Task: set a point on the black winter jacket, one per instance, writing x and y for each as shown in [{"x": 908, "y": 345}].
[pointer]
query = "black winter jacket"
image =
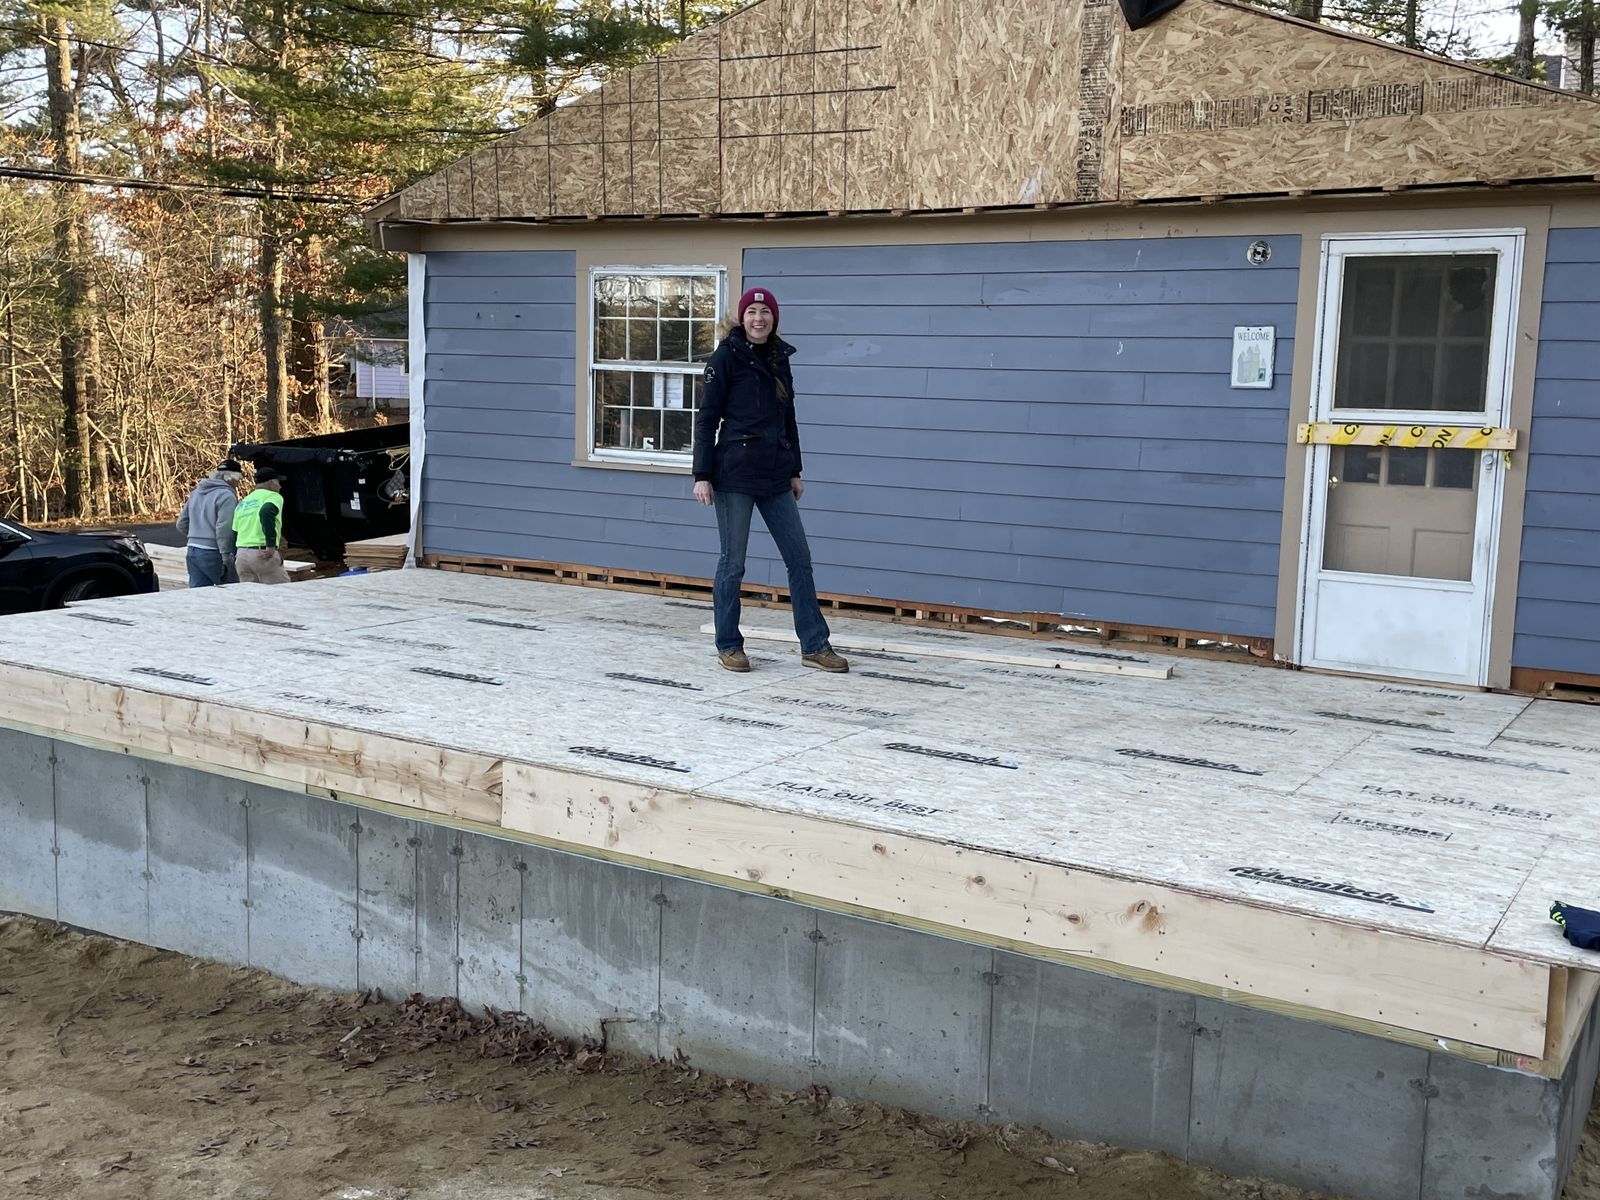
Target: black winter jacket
[{"x": 745, "y": 436}]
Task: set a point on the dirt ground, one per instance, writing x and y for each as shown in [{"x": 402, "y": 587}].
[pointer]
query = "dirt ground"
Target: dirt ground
[{"x": 128, "y": 1072}]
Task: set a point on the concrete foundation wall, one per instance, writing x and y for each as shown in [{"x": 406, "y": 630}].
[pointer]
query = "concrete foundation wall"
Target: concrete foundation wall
[{"x": 349, "y": 898}]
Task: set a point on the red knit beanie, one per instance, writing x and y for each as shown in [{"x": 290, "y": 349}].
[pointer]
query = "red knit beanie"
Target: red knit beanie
[{"x": 758, "y": 295}]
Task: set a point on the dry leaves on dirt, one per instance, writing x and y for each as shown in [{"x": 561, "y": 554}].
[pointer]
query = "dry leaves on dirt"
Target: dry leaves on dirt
[
  {"x": 1055, "y": 1164},
  {"x": 123, "y": 1162},
  {"x": 514, "y": 1139}
]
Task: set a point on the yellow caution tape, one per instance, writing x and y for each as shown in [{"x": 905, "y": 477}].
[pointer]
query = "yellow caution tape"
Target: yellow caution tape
[{"x": 1435, "y": 437}]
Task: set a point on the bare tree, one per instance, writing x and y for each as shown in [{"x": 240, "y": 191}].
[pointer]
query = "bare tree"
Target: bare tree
[
  {"x": 79, "y": 345},
  {"x": 1527, "y": 30}
]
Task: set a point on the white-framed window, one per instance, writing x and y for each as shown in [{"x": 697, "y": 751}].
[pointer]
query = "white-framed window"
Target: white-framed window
[{"x": 651, "y": 331}]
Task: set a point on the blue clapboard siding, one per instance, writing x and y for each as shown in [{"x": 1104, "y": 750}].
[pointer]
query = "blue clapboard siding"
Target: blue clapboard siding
[
  {"x": 1021, "y": 426},
  {"x": 1558, "y": 588}
]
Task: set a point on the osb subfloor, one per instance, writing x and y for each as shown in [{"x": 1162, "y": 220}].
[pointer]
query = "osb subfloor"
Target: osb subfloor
[{"x": 1457, "y": 816}]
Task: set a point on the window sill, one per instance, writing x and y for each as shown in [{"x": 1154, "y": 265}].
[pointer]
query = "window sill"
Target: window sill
[{"x": 654, "y": 468}]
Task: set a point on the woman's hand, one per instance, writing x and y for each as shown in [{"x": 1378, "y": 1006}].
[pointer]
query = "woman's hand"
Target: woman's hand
[
  {"x": 702, "y": 491},
  {"x": 798, "y": 488}
]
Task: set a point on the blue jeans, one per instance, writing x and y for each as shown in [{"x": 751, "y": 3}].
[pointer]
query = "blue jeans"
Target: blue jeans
[
  {"x": 782, "y": 516},
  {"x": 207, "y": 568}
]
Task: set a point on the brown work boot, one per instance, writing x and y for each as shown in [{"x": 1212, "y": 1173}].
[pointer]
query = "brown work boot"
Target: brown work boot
[
  {"x": 826, "y": 660},
  {"x": 734, "y": 660}
]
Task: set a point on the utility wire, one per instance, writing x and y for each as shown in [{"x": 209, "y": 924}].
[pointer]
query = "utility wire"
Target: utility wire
[{"x": 162, "y": 185}]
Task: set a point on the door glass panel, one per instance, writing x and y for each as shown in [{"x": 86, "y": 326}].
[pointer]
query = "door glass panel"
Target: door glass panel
[
  {"x": 1402, "y": 511},
  {"x": 1408, "y": 466},
  {"x": 1414, "y": 332},
  {"x": 1361, "y": 464},
  {"x": 1455, "y": 469}
]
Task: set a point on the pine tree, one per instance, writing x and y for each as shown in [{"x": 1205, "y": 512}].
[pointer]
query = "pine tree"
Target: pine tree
[{"x": 1578, "y": 21}]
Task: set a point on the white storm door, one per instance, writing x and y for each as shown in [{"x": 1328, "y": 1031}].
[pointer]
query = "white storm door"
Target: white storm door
[{"x": 1399, "y": 543}]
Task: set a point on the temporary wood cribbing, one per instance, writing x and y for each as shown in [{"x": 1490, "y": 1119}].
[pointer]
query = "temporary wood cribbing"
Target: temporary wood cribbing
[
  {"x": 1556, "y": 685},
  {"x": 823, "y": 106},
  {"x": 1366, "y": 855},
  {"x": 1053, "y": 626}
]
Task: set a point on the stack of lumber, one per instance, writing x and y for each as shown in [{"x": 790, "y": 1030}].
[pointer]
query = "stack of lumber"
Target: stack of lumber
[{"x": 378, "y": 554}]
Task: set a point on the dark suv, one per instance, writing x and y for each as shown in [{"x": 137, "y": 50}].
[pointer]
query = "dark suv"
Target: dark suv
[{"x": 46, "y": 570}]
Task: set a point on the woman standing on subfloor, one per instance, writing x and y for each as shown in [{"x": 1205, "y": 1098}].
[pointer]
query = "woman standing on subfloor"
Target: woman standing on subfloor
[{"x": 747, "y": 456}]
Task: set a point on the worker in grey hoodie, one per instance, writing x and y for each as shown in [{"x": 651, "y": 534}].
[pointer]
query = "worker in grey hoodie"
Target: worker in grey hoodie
[{"x": 206, "y": 525}]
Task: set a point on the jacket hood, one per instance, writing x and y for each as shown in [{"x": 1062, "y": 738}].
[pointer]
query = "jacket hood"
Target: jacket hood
[{"x": 212, "y": 484}]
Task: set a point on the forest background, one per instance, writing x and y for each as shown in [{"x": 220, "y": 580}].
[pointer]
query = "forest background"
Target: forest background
[{"x": 182, "y": 259}]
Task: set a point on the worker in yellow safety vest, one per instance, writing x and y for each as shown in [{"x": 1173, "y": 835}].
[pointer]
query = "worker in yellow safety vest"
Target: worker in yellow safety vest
[{"x": 258, "y": 526}]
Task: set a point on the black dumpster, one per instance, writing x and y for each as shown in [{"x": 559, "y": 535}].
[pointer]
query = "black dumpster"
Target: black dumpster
[{"x": 340, "y": 487}]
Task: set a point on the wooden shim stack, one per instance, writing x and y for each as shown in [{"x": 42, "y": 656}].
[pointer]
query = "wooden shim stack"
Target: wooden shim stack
[{"x": 805, "y": 106}]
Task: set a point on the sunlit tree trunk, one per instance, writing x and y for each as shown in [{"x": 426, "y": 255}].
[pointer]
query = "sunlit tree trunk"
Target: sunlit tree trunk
[{"x": 73, "y": 265}]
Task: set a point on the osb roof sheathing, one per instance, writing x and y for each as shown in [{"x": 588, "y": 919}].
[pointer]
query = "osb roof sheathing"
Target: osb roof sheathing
[{"x": 824, "y": 106}]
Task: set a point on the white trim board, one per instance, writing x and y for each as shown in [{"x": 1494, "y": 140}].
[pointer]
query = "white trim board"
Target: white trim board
[
  {"x": 417, "y": 330},
  {"x": 974, "y": 649}
]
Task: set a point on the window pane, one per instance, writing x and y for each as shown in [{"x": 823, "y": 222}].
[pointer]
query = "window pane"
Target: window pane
[
  {"x": 1455, "y": 468},
  {"x": 1357, "y": 464},
  {"x": 611, "y": 339},
  {"x": 609, "y": 296},
  {"x": 1363, "y": 376},
  {"x": 1465, "y": 376},
  {"x": 1369, "y": 295},
  {"x": 674, "y": 341},
  {"x": 705, "y": 297},
  {"x": 1421, "y": 280},
  {"x": 1408, "y": 466},
  {"x": 677, "y": 430},
  {"x": 1467, "y": 302},
  {"x": 647, "y": 319},
  {"x": 642, "y": 292},
  {"x": 1433, "y": 353},
  {"x": 614, "y": 387},
  {"x": 646, "y": 429},
  {"x": 676, "y": 296},
  {"x": 1413, "y": 376},
  {"x": 642, "y": 344}
]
